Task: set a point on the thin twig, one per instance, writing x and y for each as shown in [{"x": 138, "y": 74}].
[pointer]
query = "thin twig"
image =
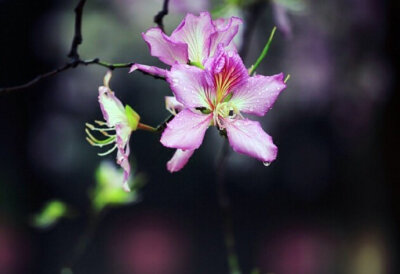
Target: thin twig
[
  {"x": 74, "y": 55},
  {"x": 36, "y": 79},
  {"x": 77, "y": 40},
  {"x": 226, "y": 211},
  {"x": 158, "y": 19},
  {"x": 69, "y": 65}
]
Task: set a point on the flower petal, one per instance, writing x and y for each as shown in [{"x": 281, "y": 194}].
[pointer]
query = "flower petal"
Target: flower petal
[
  {"x": 189, "y": 85},
  {"x": 247, "y": 137},
  {"x": 172, "y": 105},
  {"x": 186, "y": 130},
  {"x": 155, "y": 71},
  {"x": 195, "y": 32},
  {"x": 226, "y": 30},
  {"x": 258, "y": 94},
  {"x": 179, "y": 160},
  {"x": 228, "y": 71},
  {"x": 123, "y": 135},
  {"x": 167, "y": 50},
  {"x": 111, "y": 107}
]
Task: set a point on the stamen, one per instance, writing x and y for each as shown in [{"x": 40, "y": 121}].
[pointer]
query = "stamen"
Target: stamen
[
  {"x": 108, "y": 151},
  {"x": 92, "y": 128},
  {"x": 103, "y": 142},
  {"x": 100, "y": 123}
]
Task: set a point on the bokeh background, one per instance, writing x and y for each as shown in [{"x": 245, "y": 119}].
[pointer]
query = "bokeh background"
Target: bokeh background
[{"x": 328, "y": 204}]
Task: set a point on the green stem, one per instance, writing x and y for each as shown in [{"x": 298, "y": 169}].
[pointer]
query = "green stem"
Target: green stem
[
  {"x": 114, "y": 66},
  {"x": 263, "y": 53}
]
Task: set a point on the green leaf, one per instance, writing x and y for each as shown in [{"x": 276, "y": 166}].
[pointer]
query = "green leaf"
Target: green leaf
[
  {"x": 50, "y": 214},
  {"x": 108, "y": 190}
]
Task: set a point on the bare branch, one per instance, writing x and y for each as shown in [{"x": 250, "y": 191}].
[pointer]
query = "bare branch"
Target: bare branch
[
  {"x": 36, "y": 79},
  {"x": 158, "y": 19},
  {"x": 72, "y": 64},
  {"x": 74, "y": 55},
  {"x": 77, "y": 40}
]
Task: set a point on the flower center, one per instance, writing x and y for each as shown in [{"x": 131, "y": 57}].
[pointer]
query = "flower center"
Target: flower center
[{"x": 222, "y": 111}]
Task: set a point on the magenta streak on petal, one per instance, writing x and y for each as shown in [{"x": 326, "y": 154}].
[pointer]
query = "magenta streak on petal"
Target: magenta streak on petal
[
  {"x": 186, "y": 131},
  {"x": 228, "y": 70},
  {"x": 179, "y": 160},
  {"x": 247, "y": 137},
  {"x": 148, "y": 69},
  {"x": 165, "y": 48}
]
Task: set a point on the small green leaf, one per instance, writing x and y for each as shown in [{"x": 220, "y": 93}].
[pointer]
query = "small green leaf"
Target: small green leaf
[
  {"x": 50, "y": 214},
  {"x": 133, "y": 117}
]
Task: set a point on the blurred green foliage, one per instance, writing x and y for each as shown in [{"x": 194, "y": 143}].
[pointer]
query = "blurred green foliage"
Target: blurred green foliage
[
  {"x": 108, "y": 190},
  {"x": 50, "y": 214}
]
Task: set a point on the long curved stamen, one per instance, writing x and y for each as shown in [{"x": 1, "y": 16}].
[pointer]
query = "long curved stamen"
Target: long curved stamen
[
  {"x": 93, "y": 128},
  {"x": 108, "y": 151},
  {"x": 102, "y": 143}
]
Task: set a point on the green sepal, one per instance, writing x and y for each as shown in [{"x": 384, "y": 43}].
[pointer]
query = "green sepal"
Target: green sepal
[
  {"x": 196, "y": 64},
  {"x": 204, "y": 110},
  {"x": 228, "y": 97},
  {"x": 133, "y": 117}
]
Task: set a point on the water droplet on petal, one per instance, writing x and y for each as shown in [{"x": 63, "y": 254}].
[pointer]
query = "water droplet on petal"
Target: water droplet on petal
[{"x": 266, "y": 163}]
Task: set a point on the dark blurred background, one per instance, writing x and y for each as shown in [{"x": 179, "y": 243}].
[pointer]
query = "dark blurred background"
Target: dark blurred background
[{"x": 328, "y": 204}]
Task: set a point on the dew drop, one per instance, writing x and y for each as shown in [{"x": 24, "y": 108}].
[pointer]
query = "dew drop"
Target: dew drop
[{"x": 266, "y": 163}]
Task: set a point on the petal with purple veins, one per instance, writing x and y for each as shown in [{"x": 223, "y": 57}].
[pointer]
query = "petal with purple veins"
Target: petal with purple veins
[
  {"x": 189, "y": 85},
  {"x": 166, "y": 49},
  {"x": 247, "y": 137},
  {"x": 195, "y": 31},
  {"x": 186, "y": 131},
  {"x": 226, "y": 30},
  {"x": 258, "y": 94}
]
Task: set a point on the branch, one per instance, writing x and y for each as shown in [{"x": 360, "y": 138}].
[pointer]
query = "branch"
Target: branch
[
  {"x": 73, "y": 54},
  {"x": 158, "y": 19},
  {"x": 77, "y": 40},
  {"x": 72, "y": 64}
]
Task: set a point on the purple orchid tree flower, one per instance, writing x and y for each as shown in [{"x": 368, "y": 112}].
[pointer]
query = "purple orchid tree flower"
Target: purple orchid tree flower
[
  {"x": 217, "y": 96},
  {"x": 119, "y": 119},
  {"x": 192, "y": 42}
]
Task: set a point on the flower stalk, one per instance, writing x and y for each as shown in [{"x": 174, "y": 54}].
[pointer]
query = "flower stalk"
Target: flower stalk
[{"x": 263, "y": 53}]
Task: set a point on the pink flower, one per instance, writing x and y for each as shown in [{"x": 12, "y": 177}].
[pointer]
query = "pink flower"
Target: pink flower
[
  {"x": 122, "y": 120},
  {"x": 218, "y": 95},
  {"x": 193, "y": 41}
]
